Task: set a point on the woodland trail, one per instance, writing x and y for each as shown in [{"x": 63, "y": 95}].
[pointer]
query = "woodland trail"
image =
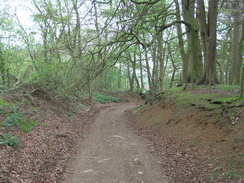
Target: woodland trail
[{"x": 113, "y": 153}]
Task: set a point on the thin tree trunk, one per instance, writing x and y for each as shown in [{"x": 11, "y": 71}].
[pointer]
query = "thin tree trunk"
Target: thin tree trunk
[
  {"x": 148, "y": 69},
  {"x": 141, "y": 70}
]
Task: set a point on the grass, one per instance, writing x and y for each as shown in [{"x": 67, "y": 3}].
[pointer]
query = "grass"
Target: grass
[
  {"x": 174, "y": 90},
  {"x": 103, "y": 99}
]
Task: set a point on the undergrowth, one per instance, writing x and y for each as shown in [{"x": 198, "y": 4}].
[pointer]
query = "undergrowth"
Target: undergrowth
[
  {"x": 103, "y": 99},
  {"x": 9, "y": 140},
  {"x": 13, "y": 118}
]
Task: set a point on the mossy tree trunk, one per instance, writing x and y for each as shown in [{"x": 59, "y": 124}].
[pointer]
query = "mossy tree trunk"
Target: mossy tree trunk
[
  {"x": 242, "y": 83},
  {"x": 236, "y": 48}
]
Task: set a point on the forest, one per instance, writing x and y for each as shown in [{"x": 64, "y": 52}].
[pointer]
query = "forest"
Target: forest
[
  {"x": 75, "y": 53},
  {"x": 79, "y": 47}
]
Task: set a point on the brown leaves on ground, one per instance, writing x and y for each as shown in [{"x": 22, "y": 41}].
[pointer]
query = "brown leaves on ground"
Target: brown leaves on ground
[{"x": 43, "y": 153}]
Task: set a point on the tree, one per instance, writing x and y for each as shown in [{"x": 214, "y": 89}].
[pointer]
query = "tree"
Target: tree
[
  {"x": 208, "y": 35},
  {"x": 237, "y": 41}
]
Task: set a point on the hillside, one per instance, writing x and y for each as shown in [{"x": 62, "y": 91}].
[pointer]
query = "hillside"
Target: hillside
[{"x": 198, "y": 133}]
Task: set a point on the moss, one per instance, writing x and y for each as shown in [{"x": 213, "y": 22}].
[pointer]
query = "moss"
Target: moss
[
  {"x": 189, "y": 98},
  {"x": 227, "y": 99},
  {"x": 211, "y": 106}
]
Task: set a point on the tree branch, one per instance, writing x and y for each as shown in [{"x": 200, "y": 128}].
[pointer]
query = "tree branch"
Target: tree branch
[
  {"x": 145, "y": 2},
  {"x": 173, "y": 23}
]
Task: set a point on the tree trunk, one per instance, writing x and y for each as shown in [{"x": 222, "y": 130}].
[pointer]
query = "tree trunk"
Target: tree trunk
[
  {"x": 242, "y": 83},
  {"x": 141, "y": 70},
  {"x": 194, "y": 51},
  {"x": 181, "y": 44},
  {"x": 236, "y": 48},
  {"x": 148, "y": 69},
  {"x": 211, "y": 75}
]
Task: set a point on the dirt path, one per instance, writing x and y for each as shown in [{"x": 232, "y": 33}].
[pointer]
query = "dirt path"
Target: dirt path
[{"x": 113, "y": 153}]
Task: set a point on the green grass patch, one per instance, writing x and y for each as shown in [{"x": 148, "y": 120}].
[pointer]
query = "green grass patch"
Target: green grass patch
[
  {"x": 233, "y": 174},
  {"x": 9, "y": 140},
  {"x": 186, "y": 98},
  {"x": 103, "y": 99},
  {"x": 174, "y": 90}
]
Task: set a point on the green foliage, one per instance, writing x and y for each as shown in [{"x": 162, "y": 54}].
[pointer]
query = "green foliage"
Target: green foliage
[
  {"x": 103, "y": 99},
  {"x": 233, "y": 174},
  {"x": 6, "y": 107},
  {"x": 9, "y": 139},
  {"x": 18, "y": 120},
  {"x": 242, "y": 154},
  {"x": 14, "y": 119},
  {"x": 28, "y": 125},
  {"x": 3, "y": 103}
]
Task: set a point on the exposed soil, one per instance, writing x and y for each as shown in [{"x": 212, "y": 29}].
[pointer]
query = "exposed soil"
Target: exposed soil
[
  {"x": 113, "y": 153},
  {"x": 195, "y": 145}
]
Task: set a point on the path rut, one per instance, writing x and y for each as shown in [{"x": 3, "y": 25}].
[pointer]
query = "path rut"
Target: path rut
[{"x": 113, "y": 153}]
